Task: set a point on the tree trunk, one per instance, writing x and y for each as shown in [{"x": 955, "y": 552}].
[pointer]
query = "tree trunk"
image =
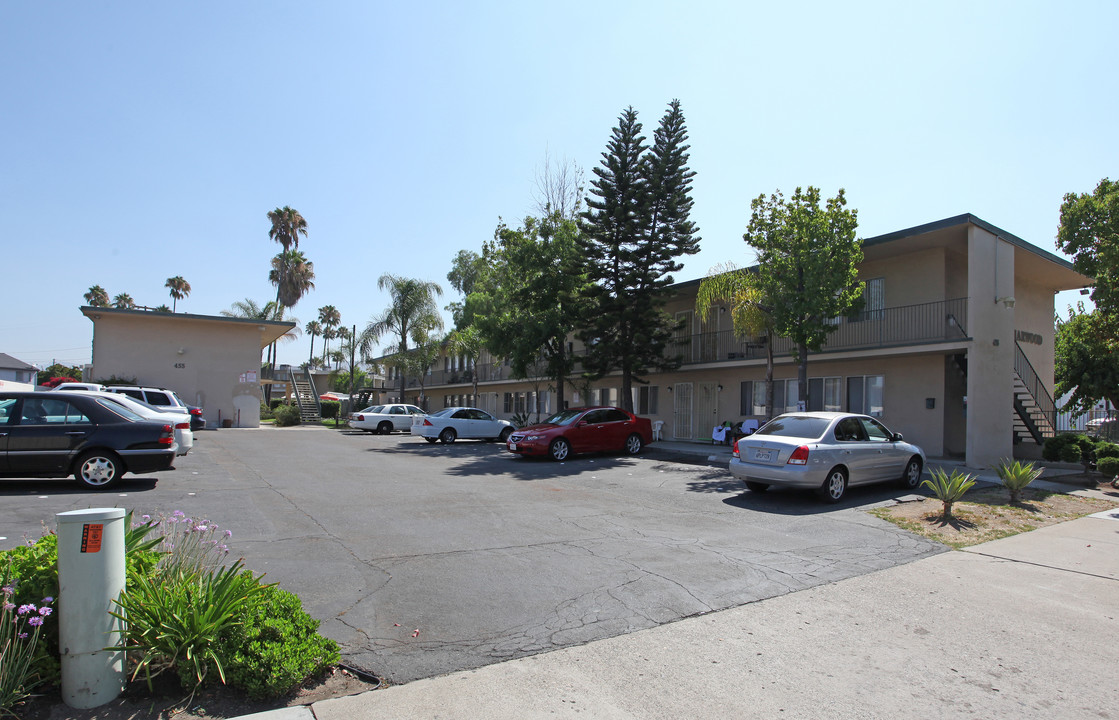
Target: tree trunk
[
  {"x": 769, "y": 377},
  {"x": 802, "y": 374}
]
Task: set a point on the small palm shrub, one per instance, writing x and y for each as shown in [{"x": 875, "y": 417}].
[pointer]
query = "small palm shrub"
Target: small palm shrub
[
  {"x": 287, "y": 415},
  {"x": 948, "y": 489},
  {"x": 1015, "y": 476},
  {"x": 520, "y": 420}
]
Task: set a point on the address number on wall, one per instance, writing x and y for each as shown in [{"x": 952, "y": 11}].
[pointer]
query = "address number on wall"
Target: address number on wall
[{"x": 180, "y": 365}]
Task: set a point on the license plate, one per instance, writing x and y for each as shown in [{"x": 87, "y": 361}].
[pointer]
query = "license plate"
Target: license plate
[
  {"x": 763, "y": 455},
  {"x": 513, "y": 446}
]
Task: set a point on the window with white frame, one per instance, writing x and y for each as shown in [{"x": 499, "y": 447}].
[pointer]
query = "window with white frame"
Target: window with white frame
[
  {"x": 645, "y": 399},
  {"x": 865, "y": 394},
  {"x": 785, "y": 395}
]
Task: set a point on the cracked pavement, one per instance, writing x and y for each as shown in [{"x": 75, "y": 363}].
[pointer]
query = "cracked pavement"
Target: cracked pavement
[{"x": 426, "y": 559}]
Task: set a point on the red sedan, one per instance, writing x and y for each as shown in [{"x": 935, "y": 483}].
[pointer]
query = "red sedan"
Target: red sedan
[{"x": 581, "y": 430}]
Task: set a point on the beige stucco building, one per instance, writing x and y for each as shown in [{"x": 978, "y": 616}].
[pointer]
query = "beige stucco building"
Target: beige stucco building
[
  {"x": 210, "y": 361},
  {"x": 954, "y": 349}
]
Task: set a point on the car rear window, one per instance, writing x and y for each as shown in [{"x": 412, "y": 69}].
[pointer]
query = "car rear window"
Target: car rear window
[
  {"x": 159, "y": 398},
  {"x": 119, "y": 410},
  {"x": 798, "y": 426}
]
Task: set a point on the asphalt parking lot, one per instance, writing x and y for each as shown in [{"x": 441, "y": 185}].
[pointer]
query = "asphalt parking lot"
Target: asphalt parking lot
[{"x": 425, "y": 559}]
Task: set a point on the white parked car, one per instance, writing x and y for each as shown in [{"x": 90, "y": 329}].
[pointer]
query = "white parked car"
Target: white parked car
[
  {"x": 827, "y": 452},
  {"x": 450, "y": 424},
  {"x": 383, "y": 419},
  {"x": 184, "y": 436}
]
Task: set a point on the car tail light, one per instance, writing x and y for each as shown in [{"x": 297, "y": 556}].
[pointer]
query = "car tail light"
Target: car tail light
[
  {"x": 428, "y": 423},
  {"x": 196, "y": 411},
  {"x": 359, "y": 417},
  {"x": 799, "y": 456},
  {"x": 182, "y": 426},
  {"x": 168, "y": 437},
  {"x": 734, "y": 449}
]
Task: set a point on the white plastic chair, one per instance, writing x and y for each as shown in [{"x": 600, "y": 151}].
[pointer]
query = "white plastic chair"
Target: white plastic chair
[{"x": 657, "y": 426}]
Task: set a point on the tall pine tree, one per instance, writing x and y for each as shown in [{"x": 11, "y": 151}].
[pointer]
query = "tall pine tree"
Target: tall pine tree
[{"x": 636, "y": 227}]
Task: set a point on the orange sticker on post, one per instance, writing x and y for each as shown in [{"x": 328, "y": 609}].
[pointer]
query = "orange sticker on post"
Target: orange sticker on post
[{"x": 91, "y": 538}]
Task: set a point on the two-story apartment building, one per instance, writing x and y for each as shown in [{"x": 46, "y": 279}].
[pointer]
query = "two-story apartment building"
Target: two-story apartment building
[{"x": 954, "y": 349}]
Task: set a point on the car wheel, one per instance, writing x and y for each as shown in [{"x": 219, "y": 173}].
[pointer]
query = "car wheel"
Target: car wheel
[
  {"x": 447, "y": 436},
  {"x": 756, "y": 486},
  {"x": 384, "y": 428},
  {"x": 504, "y": 436},
  {"x": 834, "y": 486},
  {"x": 634, "y": 443},
  {"x": 559, "y": 449},
  {"x": 98, "y": 470},
  {"x": 911, "y": 478},
  {"x": 431, "y": 440}
]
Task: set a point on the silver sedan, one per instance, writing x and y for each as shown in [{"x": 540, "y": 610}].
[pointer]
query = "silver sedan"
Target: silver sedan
[
  {"x": 453, "y": 423},
  {"x": 827, "y": 452}
]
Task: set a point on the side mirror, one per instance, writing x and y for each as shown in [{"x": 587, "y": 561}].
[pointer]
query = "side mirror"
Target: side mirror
[{"x": 898, "y": 437}]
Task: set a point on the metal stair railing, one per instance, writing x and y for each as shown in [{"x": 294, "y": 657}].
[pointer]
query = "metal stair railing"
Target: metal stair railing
[{"x": 1046, "y": 409}]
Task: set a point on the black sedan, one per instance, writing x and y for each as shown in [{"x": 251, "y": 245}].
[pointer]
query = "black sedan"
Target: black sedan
[{"x": 91, "y": 438}]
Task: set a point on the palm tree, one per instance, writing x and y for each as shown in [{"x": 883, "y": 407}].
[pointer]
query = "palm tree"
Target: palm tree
[
  {"x": 337, "y": 356},
  {"x": 293, "y": 275},
  {"x": 330, "y": 319},
  {"x": 314, "y": 329},
  {"x": 287, "y": 226},
  {"x": 179, "y": 289},
  {"x": 413, "y": 312},
  {"x": 124, "y": 301},
  {"x": 248, "y": 308},
  {"x": 97, "y": 297},
  {"x": 749, "y": 311}
]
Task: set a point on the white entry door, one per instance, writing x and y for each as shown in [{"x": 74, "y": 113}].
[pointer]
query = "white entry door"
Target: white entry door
[{"x": 682, "y": 428}]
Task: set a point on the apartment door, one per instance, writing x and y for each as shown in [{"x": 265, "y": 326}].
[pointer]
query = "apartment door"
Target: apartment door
[
  {"x": 706, "y": 409},
  {"x": 682, "y": 426}
]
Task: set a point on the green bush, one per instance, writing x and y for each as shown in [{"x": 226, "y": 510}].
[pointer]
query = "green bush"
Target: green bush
[
  {"x": 1051, "y": 451},
  {"x": 275, "y": 647},
  {"x": 1105, "y": 449},
  {"x": 330, "y": 409},
  {"x": 1109, "y": 466},
  {"x": 1071, "y": 453},
  {"x": 266, "y": 412},
  {"x": 275, "y": 403},
  {"x": 287, "y": 415}
]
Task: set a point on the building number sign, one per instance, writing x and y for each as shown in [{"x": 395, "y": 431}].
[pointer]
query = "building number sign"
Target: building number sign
[{"x": 180, "y": 366}]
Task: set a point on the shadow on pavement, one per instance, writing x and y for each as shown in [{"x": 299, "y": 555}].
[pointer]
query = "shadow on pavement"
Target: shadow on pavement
[{"x": 68, "y": 486}]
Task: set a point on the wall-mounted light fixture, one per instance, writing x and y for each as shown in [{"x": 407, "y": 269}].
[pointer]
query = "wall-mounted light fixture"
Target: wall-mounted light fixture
[
  {"x": 1007, "y": 302},
  {"x": 722, "y": 309},
  {"x": 669, "y": 388},
  {"x": 182, "y": 350},
  {"x": 1085, "y": 291},
  {"x": 720, "y": 388}
]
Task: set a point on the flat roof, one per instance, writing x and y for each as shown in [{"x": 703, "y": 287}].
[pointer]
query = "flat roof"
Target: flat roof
[{"x": 270, "y": 330}]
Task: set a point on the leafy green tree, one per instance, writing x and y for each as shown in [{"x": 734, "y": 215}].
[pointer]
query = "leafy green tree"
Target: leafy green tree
[
  {"x": 465, "y": 269},
  {"x": 412, "y": 311},
  {"x": 124, "y": 301},
  {"x": 179, "y": 288},
  {"x": 528, "y": 298},
  {"x": 73, "y": 372},
  {"x": 1089, "y": 232},
  {"x": 634, "y": 230},
  {"x": 1086, "y": 363},
  {"x": 750, "y": 313},
  {"x": 808, "y": 259},
  {"x": 467, "y": 343},
  {"x": 97, "y": 297}
]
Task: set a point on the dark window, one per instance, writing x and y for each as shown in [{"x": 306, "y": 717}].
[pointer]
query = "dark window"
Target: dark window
[
  {"x": 796, "y": 426},
  {"x": 158, "y": 398},
  {"x": 614, "y": 416},
  {"x": 746, "y": 398}
]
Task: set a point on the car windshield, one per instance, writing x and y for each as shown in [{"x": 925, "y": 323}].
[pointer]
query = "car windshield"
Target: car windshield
[
  {"x": 798, "y": 426},
  {"x": 565, "y": 417},
  {"x": 445, "y": 412},
  {"x": 120, "y": 410}
]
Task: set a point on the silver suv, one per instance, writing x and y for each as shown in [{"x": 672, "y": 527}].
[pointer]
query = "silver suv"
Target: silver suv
[{"x": 164, "y": 399}]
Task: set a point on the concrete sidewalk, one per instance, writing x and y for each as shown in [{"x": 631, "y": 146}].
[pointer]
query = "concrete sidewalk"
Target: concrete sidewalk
[{"x": 1021, "y": 627}]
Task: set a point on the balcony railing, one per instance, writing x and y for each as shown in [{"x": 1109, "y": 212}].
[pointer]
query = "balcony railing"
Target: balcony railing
[{"x": 891, "y": 327}]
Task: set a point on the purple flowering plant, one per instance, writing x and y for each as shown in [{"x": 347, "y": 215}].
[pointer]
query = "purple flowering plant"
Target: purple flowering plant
[{"x": 19, "y": 637}]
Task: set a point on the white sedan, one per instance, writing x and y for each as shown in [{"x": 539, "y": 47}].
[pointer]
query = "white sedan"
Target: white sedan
[
  {"x": 383, "y": 419},
  {"x": 452, "y": 423},
  {"x": 184, "y": 436}
]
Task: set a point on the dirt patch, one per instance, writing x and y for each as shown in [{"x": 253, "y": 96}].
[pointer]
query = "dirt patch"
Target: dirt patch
[
  {"x": 167, "y": 703},
  {"x": 986, "y": 514}
]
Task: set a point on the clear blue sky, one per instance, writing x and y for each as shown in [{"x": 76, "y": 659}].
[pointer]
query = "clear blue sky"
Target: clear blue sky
[{"x": 139, "y": 141}]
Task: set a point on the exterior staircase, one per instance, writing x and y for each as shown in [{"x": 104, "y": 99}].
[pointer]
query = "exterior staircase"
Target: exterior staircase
[
  {"x": 310, "y": 409},
  {"x": 1035, "y": 413}
]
